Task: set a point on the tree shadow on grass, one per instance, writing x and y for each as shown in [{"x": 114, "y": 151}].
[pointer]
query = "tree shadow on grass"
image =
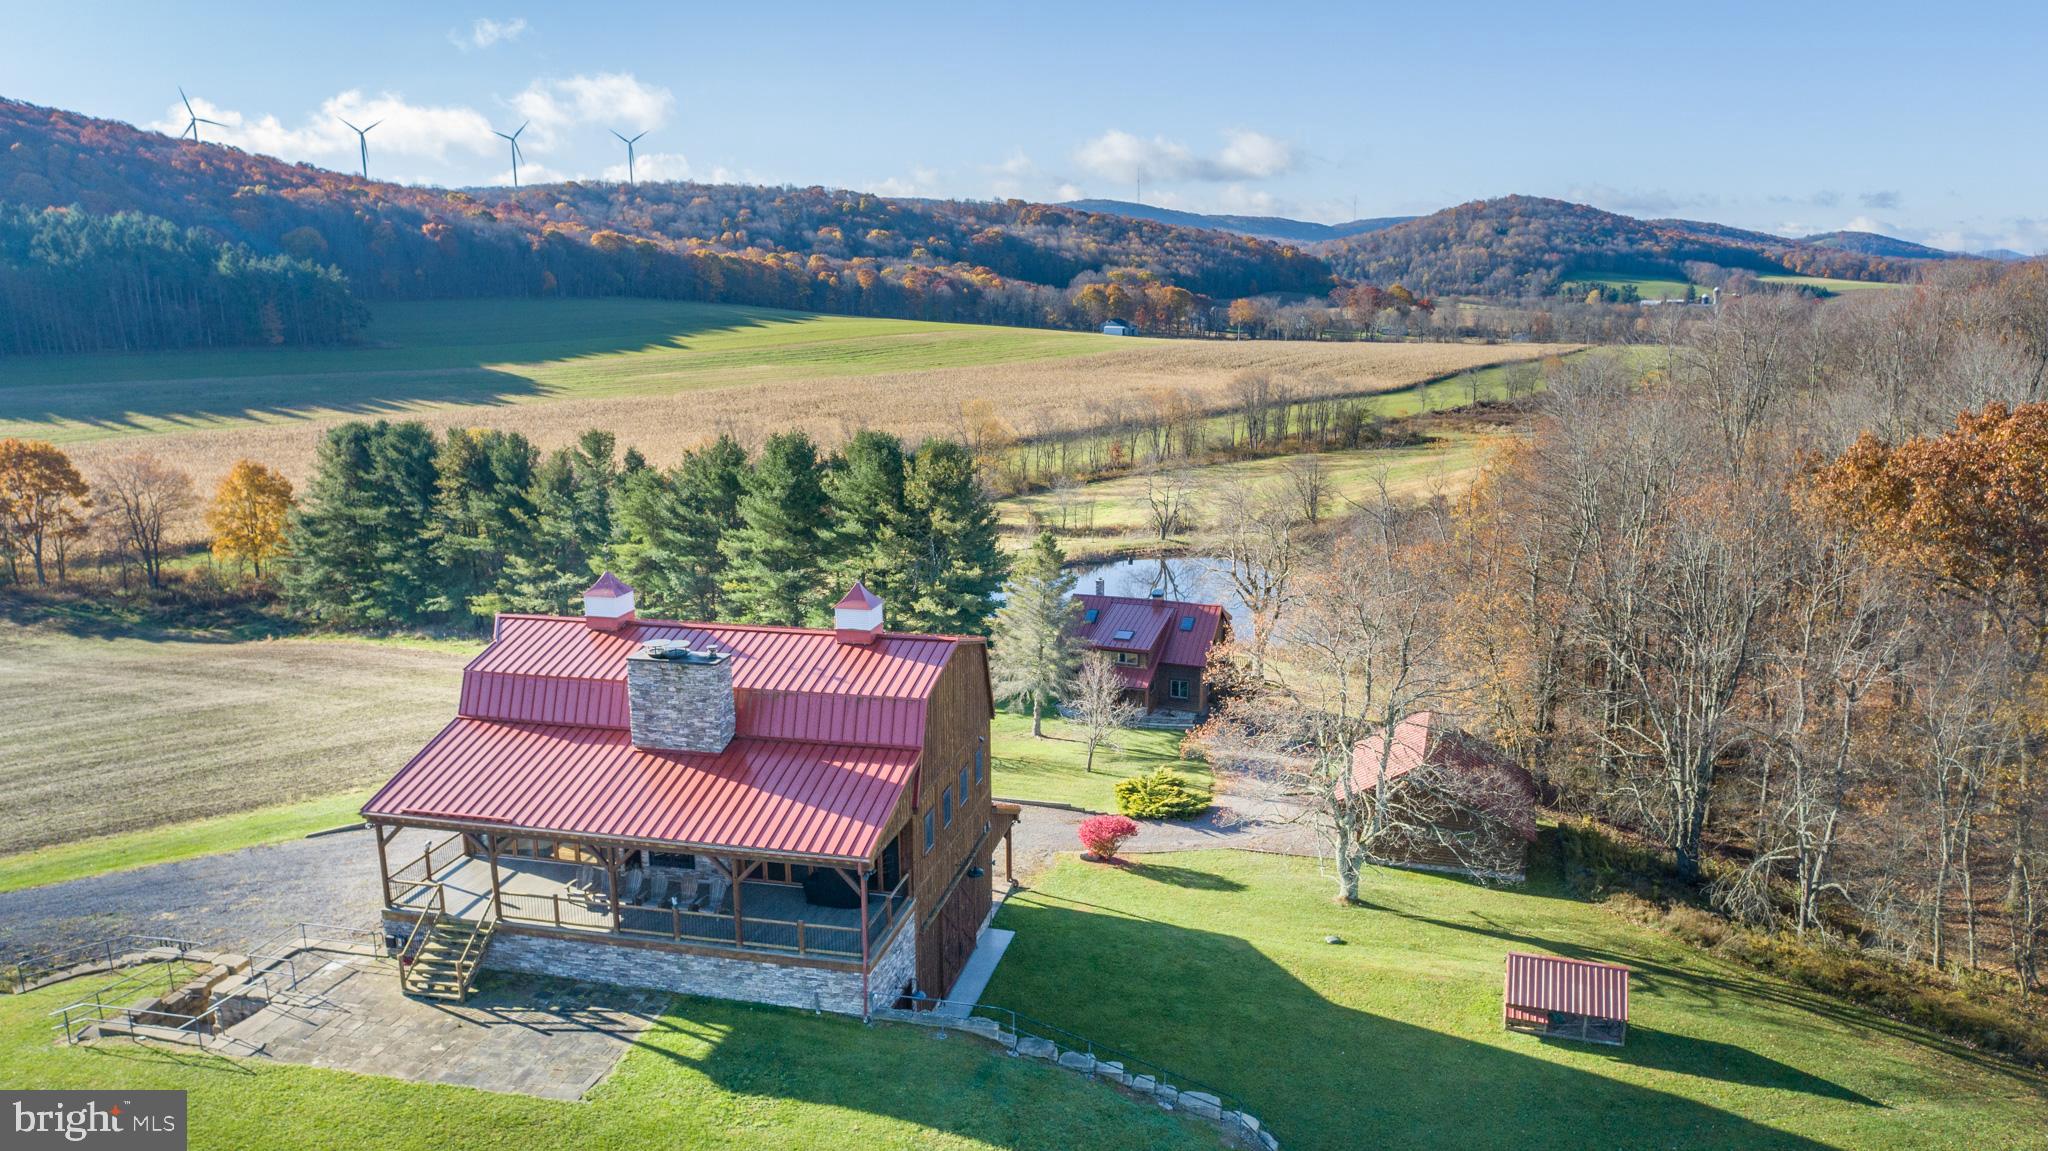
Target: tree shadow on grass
[
  {"x": 1722, "y": 1062},
  {"x": 1322, "y": 1075},
  {"x": 368, "y": 381},
  {"x": 1184, "y": 877}
]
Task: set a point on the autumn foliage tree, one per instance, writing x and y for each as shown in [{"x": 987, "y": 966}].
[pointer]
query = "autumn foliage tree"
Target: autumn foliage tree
[
  {"x": 248, "y": 516},
  {"x": 144, "y": 500},
  {"x": 43, "y": 505}
]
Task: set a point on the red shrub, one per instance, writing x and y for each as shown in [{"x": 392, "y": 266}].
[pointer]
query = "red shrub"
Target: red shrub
[{"x": 1103, "y": 834}]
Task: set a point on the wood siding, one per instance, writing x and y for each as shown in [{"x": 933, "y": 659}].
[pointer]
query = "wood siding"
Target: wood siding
[{"x": 950, "y": 904}]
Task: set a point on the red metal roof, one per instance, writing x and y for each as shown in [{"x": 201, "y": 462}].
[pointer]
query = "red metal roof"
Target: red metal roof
[
  {"x": 770, "y": 796},
  {"x": 1541, "y": 983},
  {"x": 857, "y": 598},
  {"x": 1478, "y": 774},
  {"x": 1149, "y": 620}
]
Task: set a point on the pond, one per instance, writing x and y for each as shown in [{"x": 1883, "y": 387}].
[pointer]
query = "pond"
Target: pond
[{"x": 1199, "y": 579}]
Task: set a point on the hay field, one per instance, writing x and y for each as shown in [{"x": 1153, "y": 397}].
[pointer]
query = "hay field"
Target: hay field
[
  {"x": 108, "y": 735},
  {"x": 664, "y": 376}
]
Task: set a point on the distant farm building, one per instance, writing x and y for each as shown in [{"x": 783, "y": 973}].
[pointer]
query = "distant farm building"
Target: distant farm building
[
  {"x": 1119, "y": 328},
  {"x": 1458, "y": 804},
  {"x": 1161, "y": 648},
  {"x": 1566, "y": 998}
]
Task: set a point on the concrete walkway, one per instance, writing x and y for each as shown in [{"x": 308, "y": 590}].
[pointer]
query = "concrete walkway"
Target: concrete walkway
[{"x": 981, "y": 967}]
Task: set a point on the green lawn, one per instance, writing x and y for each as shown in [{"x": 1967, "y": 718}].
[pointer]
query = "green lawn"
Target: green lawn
[
  {"x": 1827, "y": 283},
  {"x": 707, "y": 1075},
  {"x": 420, "y": 355},
  {"x": 1214, "y": 964},
  {"x": 1647, "y": 287},
  {"x": 1051, "y": 770}
]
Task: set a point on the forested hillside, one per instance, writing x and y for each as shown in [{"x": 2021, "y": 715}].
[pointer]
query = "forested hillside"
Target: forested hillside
[
  {"x": 1527, "y": 245},
  {"x": 811, "y": 248}
]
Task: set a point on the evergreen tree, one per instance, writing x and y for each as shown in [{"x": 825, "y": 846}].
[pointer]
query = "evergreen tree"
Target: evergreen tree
[
  {"x": 1036, "y": 649},
  {"x": 865, "y": 485},
  {"x": 946, "y": 536},
  {"x": 669, "y": 525},
  {"x": 572, "y": 498},
  {"x": 776, "y": 554},
  {"x": 360, "y": 553},
  {"x": 484, "y": 511}
]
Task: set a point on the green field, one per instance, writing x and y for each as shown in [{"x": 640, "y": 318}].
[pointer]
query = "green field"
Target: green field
[
  {"x": 1214, "y": 964},
  {"x": 1647, "y": 287},
  {"x": 1826, "y": 283},
  {"x": 1051, "y": 770},
  {"x": 419, "y": 356},
  {"x": 708, "y": 1074}
]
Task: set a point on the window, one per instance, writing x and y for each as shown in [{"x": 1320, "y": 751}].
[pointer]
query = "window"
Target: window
[
  {"x": 1187, "y": 623},
  {"x": 1178, "y": 688},
  {"x": 946, "y": 806},
  {"x": 977, "y": 765},
  {"x": 1130, "y": 659},
  {"x": 963, "y": 783},
  {"x": 1091, "y": 615},
  {"x": 1123, "y": 635},
  {"x": 929, "y": 834}
]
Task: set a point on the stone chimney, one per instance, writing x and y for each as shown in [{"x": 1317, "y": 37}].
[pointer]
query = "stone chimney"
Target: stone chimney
[
  {"x": 857, "y": 617},
  {"x": 608, "y": 603},
  {"x": 680, "y": 698}
]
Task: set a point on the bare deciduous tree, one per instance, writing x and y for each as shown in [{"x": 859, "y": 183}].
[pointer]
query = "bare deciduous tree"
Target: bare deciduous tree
[{"x": 1100, "y": 703}]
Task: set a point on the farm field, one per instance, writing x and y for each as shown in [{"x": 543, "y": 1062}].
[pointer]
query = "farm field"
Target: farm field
[
  {"x": 109, "y": 735},
  {"x": 707, "y": 1074},
  {"x": 1111, "y": 515},
  {"x": 1053, "y": 769},
  {"x": 1394, "y": 1038},
  {"x": 1828, "y": 283},
  {"x": 1647, "y": 287},
  {"x": 663, "y": 375}
]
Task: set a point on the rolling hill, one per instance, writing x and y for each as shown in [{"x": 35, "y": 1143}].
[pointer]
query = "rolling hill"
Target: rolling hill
[
  {"x": 1260, "y": 227},
  {"x": 1876, "y": 244}
]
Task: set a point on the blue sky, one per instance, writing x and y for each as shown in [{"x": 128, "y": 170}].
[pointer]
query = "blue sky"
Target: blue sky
[{"x": 1925, "y": 122}]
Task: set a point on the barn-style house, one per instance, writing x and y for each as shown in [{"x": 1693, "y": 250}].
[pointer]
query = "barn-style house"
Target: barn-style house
[
  {"x": 1160, "y": 647},
  {"x": 797, "y": 816}
]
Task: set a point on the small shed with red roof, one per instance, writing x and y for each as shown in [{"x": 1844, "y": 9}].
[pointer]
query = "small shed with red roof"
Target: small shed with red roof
[{"x": 1566, "y": 998}]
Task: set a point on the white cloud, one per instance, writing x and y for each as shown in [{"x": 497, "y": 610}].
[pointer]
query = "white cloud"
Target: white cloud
[
  {"x": 486, "y": 32},
  {"x": 652, "y": 166},
  {"x": 1118, "y": 155},
  {"x": 414, "y": 131},
  {"x": 617, "y": 100}
]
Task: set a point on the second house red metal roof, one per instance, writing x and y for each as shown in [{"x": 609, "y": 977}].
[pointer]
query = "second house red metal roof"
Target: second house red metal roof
[
  {"x": 1148, "y": 620},
  {"x": 768, "y": 796}
]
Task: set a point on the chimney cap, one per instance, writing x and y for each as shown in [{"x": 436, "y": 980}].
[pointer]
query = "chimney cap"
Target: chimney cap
[
  {"x": 858, "y": 598},
  {"x": 1159, "y": 593},
  {"x": 609, "y": 585}
]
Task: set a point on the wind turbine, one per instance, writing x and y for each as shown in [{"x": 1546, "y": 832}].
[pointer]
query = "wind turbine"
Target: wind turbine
[
  {"x": 363, "y": 142},
  {"x": 513, "y": 139},
  {"x": 629, "y": 154},
  {"x": 192, "y": 124}
]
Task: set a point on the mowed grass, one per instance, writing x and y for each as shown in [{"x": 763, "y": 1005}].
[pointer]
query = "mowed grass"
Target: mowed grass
[
  {"x": 1827, "y": 283},
  {"x": 1114, "y": 514},
  {"x": 1054, "y": 769},
  {"x": 1214, "y": 964},
  {"x": 663, "y": 376},
  {"x": 116, "y": 735},
  {"x": 707, "y": 1074},
  {"x": 1647, "y": 287}
]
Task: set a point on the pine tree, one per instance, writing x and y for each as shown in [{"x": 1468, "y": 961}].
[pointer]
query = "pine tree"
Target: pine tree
[
  {"x": 572, "y": 497},
  {"x": 946, "y": 536},
  {"x": 484, "y": 512},
  {"x": 776, "y": 554},
  {"x": 669, "y": 525},
  {"x": 865, "y": 486},
  {"x": 1036, "y": 649},
  {"x": 359, "y": 541}
]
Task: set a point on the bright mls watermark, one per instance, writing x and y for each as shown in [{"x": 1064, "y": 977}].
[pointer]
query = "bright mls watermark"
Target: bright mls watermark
[{"x": 135, "y": 1120}]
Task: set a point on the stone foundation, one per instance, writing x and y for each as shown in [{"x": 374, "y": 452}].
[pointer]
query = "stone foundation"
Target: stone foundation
[{"x": 809, "y": 987}]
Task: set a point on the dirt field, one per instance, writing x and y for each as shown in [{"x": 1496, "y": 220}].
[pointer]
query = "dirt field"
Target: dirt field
[{"x": 108, "y": 735}]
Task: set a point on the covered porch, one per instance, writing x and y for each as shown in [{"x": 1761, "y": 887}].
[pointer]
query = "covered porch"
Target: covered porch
[{"x": 773, "y": 907}]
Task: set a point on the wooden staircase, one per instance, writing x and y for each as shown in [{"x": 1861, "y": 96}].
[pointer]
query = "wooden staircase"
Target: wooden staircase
[{"x": 443, "y": 957}]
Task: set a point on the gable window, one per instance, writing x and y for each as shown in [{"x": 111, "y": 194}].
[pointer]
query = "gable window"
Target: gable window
[
  {"x": 946, "y": 806},
  {"x": 930, "y": 835},
  {"x": 977, "y": 765},
  {"x": 1130, "y": 659},
  {"x": 1178, "y": 688},
  {"x": 963, "y": 783}
]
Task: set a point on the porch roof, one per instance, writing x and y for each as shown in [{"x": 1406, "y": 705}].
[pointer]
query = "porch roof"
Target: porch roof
[{"x": 766, "y": 796}]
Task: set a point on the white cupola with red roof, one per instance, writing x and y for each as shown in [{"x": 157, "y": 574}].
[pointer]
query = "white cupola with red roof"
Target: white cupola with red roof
[
  {"x": 857, "y": 617},
  {"x": 608, "y": 603}
]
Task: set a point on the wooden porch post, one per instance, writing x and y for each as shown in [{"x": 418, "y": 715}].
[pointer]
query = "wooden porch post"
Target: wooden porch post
[
  {"x": 383, "y": 865},
  {"x": 866, "y": 996},
  {"x": 611, "y": 867},
  {"x": 1009, "y": 853},
  {"x": 739, "y": 933},
  {"x": 497, "y": 899}
]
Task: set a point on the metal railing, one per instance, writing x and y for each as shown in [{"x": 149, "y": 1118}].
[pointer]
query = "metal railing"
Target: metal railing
[
  {"x": 424, "y": 861},
  {"x": 80, "y": 1016},
  {"x": 1025, "y": 1026},
  {"x": 710, "y": 928},
  {"x": 32, "y": 967}
]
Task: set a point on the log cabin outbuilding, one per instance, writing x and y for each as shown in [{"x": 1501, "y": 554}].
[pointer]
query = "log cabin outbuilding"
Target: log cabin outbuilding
[
  {"x": 1161, "y": 647},
  {"x": 798, "y": 816}
]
